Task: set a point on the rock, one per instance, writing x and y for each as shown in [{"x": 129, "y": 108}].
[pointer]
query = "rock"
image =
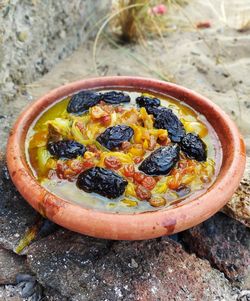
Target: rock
[
  {"x": 29, "y": 287},
  {"x": 9, "y": 293},
  {"x": 239, "y": 206},
  {"x": 26, "y": 51},
  {"x": 14, "y": 292},
  {"x": 244, "y": 295},
  {"x": 225, "y": 243},
  {"x": 84, "y": 268},
  {"x": 52, "y": 295},
  {"x": 16, "y": 215},
  {"x": 11, "y": 265}
]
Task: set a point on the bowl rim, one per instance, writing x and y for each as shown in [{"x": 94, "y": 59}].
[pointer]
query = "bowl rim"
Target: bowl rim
[{"x": 127, "y": 226}]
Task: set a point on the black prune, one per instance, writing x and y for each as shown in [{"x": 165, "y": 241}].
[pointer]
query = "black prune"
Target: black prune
[
  {"x": 166, "y": 119},
  {"x": 161, "y": 161},
  {"x": 153, "y": 110},
  {"x": 114, "y": 97},
  {"x": 144, "y": 101},
  {"x": 102, "y": 181},
  {"x": 114, "y": 136},
  {"x": 194, "y": 147},
  {"x": 67, "y": 149},
  {"x": 82, "y": 101}
]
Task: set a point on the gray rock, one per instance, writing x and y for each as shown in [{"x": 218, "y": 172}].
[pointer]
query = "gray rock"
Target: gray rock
[
  {"x": 10, "y": 293},
  {"x": 11, "y": 265},
  {"x": 37, "y": 34},
  {"x": 225, "y": 243},
  {"x": 16, "y": 215},
  {"x": 83, "y": 268}
]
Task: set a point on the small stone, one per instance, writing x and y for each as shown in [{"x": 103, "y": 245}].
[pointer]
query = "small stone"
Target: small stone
[
  {"x": 28, "y": 289},
  {"x": 25, "y": 278},
  {"x": 133, "y": 264},
  {"x": 22, "y": 36}
]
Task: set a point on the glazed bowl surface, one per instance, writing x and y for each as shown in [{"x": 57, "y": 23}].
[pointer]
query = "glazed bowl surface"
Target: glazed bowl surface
[{"x": 129, "y": 226}]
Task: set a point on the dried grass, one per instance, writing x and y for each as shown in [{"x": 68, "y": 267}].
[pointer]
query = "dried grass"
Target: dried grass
[{"x": 135, "y": 20}]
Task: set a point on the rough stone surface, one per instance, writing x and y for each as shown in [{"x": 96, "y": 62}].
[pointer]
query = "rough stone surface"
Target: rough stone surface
[
  {"x": 84, "y": 268},
  {"x": 10, "y": 293},
  {"x": 15, "y": 213},
  {"x": 225, "y": 243},
  {"x": 37, "y": 34},
  {"x": 239, "y": 206},
  {"x": 11, "y": 265}
]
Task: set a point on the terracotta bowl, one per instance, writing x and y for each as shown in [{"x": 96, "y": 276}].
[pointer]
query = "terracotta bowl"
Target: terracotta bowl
[{"x": 129, "y": 226}]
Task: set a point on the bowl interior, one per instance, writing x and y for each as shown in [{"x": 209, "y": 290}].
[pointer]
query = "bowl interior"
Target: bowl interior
[{"x": 221, "y": 128}]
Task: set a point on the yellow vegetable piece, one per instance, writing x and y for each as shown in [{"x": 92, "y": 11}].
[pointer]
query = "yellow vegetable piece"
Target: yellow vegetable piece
[
  {"x": 76, "y": 133},
  {"x": 161, "y": 134},
  {"x": 136, "y": 151},
  {"x": 160, "y": 187},
  {"x": 124, "y": 158},
  {"x": 137, "y": 133},
  {"x": 27, "y": 238},
  {"x": 140, "y": 134},
  {"x": 113, "y": 119},
  {"x": 145, "y": 144},
  {"x": 195, "y": 127},
  {"x": 43, "y": 155},
  {"x": 93, "y": 129},
  {"x": 88, "y": 155},
  {"x": 130, "y": 190},
  {"x": 130, "y": 117},
  {"x": 129, "y": 203},
  {"x": 157, "y": 202},
  {"x": 62, "y": 126},
  {"x": 147, "y": 119},
  {"x": 187, "y": 179},
  {"x": 51, "y": 164}
]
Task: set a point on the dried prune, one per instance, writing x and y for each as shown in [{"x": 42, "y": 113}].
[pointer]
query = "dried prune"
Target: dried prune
[
  {"x": 114, "y": 97},
  {"x": 166, "y": 119},
  {"x": 144, "y": 101},
  {"x": 194, "y": 147},
  {"x": 114, "y": 136},
  {"x": 161, "y": 161},
  {"x": 153, "y": 110},
  {"x": 102, "y": 181},
  {"x": 67, "y": 149},
  {"x": 82, "y": 101}
]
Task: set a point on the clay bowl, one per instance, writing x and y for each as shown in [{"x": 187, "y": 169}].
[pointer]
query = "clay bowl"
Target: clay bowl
[{"x": 124, "y": 226}]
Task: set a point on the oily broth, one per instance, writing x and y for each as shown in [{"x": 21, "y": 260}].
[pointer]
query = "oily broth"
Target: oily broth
[{"x": 69, "y": 191}]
